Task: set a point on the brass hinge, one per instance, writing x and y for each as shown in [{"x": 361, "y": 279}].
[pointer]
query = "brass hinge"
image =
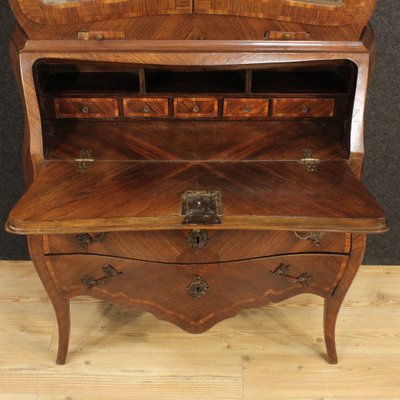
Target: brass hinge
[
  {"x": 309, "y": 160},
  {"x": 84, "y": 160}
]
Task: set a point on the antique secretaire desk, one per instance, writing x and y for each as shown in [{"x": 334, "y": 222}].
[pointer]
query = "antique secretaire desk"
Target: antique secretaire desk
[{"x": 194, "y": 158}]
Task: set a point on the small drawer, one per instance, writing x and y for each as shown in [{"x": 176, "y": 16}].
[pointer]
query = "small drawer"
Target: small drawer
[
  {"x": 246, "y": 108},
  {"x": 195, "y": 107},
  {"x": 86, "y": 107},
  {"x": 306, "y": 108},
  {"x": 145, "y": 107}
]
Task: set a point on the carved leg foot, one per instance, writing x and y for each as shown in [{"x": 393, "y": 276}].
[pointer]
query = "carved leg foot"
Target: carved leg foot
[{"x": 333, "y": 303}]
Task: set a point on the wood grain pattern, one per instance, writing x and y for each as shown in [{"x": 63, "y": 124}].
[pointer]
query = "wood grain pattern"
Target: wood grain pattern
[
  {"x": 305, "y": 108},
  {"x": 130, "y": 196},
  {"x": 195, "y": 140},
  {"x": 145, "y": 107},
  {"x": 357, "y": 12},
  {"x": 246, "y": 108},
  {"x": 195, "y": 107},
  {"x": 71, "y": 12},
  {"x": 86, "y": 107},
  {"x": 190, "y": 27},
  {"x": 222, "y": 246},
  {"x": 162, "y": 289}
]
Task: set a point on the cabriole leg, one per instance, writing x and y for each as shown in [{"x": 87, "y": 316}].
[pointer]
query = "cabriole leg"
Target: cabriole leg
[
  {"x": 60, "y": 304},
  {"x": 333, "y": 303}
]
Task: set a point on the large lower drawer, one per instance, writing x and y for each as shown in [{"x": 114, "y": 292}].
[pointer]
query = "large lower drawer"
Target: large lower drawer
[
  {"x": 195, "y": 297},
  {"x": 197, "y": 246}
]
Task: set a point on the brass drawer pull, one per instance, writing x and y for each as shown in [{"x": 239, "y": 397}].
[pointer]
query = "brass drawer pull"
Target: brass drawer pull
[
  {"x": 305, "y": 109},
  {"x": 85, "y": 240},
  {"x": 85, "y": 110},
  {"x": 283, "y": 271},
  {"x": 314, "y": 237},
  {"x": 197, "y": 288},
  {"x": 196, "y": 109},
  {"x": 110, "y": 272},
  {"x": 246, "y": 109},
  {"x": 197, "y": 239},
  {"x": 146, "y": 109}
]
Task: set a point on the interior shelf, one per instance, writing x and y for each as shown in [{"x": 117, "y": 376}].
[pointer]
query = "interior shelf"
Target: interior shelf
[{"x": 168, "y": 81}]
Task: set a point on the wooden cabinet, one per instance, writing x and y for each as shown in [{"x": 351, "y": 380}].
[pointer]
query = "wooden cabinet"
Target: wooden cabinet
[{"x": 194, "y": 178}]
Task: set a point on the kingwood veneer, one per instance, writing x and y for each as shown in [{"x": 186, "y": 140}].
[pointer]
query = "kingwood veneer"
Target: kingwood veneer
[{"x": 194, "y": 178}]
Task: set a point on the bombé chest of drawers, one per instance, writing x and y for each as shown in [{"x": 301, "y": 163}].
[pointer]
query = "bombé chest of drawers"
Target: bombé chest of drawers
[{"x": 193, "y": 159}]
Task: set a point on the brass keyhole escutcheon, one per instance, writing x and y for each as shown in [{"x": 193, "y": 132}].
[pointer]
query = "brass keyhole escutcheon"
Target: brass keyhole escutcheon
[
  {"x": 197, "y": 240},
  {"x": 197, "y": 288}
]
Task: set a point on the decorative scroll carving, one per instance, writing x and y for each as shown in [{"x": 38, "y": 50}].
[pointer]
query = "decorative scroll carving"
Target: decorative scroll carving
[
  {"x": 197, "y": 239},
  {"x": 110, "y": 272},
  {"x": 314, "y": 237},
  {"x": 85, "y": 240},
  {"x": 198, "y": 287},
  {"x": 283, "y": 271}
]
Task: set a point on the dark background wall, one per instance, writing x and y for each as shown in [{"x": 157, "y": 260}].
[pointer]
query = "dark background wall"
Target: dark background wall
[{"x": 382, "y": 136}]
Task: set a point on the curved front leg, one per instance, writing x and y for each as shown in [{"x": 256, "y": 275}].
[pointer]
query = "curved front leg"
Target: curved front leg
[
  {"x": 60, "y": 304},
  {"x": 333, "y": 303}
]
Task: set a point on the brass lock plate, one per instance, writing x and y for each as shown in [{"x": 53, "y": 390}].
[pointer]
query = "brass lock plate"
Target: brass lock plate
[{"x": 201, "y": 207}]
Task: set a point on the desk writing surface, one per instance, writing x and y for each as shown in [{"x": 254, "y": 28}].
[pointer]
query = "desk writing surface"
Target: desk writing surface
[{"x": 140, "y": 195}]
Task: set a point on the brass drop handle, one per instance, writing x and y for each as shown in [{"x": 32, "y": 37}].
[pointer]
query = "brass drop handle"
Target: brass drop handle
[
  {"x": 305, "y": 109},
  {"x": 85, "y": 240},
  {"x": 283, "y": 272},
  {"x": 109, "y": 271},
  {"x": 146, "y": 109},
  {"x": 85, "y": 110},
  {"x": 196, "y": 109},
  {"x": 314, "y": 237}
]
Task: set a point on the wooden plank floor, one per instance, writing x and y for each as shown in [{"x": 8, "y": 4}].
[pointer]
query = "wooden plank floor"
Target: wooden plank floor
[{"x": 272, "y": 353}]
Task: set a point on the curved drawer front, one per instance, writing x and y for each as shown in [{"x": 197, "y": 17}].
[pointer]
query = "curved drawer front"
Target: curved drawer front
[
  {"x": 195, "y": 297},
  {"x": 197, "y": 246}
]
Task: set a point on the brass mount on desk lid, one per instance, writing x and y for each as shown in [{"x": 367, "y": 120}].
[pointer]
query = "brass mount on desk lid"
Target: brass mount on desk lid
[{"x": 201, "y": 207}]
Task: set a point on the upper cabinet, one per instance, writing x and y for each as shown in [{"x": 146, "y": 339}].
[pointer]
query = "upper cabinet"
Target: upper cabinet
[
  {"x": 313, "y": 12},
  {"x": 55, "y": 12},
  {"x": 317, "y": 20}
]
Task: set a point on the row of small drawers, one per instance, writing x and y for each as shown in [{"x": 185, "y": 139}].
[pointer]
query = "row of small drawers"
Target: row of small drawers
[{"x": 199, "y": 107}]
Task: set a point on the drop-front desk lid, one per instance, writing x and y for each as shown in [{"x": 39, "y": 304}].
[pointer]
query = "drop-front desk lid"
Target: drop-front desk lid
[
  {"x": 316, "y": 12},
  {"x": 110, "y": 196}
]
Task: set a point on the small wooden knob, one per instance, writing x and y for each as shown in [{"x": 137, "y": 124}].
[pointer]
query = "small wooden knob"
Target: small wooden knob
[
  {"x": 146, "y": 109},
  {"x": 85, "y": 110},
  {"x": 196, "y": 109}
]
